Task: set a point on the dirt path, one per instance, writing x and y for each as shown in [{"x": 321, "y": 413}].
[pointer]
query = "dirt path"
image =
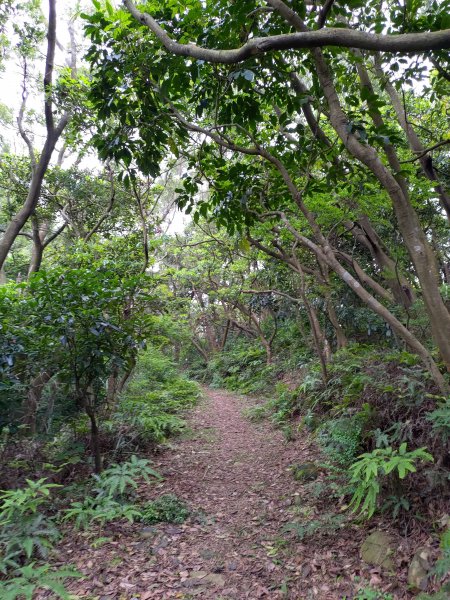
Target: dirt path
[{"x": 235, "y": 476}]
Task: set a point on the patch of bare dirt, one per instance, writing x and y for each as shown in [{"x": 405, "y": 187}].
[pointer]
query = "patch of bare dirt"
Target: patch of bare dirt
[{"x": 235, "y": 477}]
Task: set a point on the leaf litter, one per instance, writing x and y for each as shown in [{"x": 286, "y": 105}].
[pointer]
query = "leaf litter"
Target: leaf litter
[{"x": 235, "y": 476}]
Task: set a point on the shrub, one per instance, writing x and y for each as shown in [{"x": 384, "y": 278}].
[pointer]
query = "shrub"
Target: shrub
[
  {"x": 165, "y": 509},
  {"x": 372, "y": 468},
  {"x": 149, "y": 409},
  {"x": 440, "y": 419},
  {"x": 341, "y": 439}
]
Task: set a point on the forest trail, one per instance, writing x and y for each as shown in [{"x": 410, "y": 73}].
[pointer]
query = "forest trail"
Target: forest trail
[{"x": 235, "y": 477}]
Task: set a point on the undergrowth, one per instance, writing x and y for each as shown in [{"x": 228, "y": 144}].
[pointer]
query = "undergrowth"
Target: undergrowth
[
  {"x": 152, "y": 405},
  {"x": 376, "y": 402}
]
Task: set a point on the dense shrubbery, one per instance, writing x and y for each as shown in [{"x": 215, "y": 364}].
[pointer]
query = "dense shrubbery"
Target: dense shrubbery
[
  {"x": 146, "y": 413},
  {"x": 149, "y": 409}
]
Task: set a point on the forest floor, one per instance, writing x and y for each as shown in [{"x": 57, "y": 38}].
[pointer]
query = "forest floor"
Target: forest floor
[{"x": 235, "y": 476}]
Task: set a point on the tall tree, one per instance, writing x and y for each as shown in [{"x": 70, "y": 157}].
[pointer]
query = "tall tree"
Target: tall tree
[
  {"x": 40, "y": 160},
  {"x": 246, "y": 102}
]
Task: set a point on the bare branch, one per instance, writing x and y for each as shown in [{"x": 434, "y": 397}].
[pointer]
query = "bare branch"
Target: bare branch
[
  {"x": 105, "y": 215},
  {"x": 324, "y": 13},
  {"x": 276, "y": 292},
  {"x": 27, "y": 235},
  {"x": 55, "y": 234},
  {"x": 445, "y": 74},
  {"x": 21, "y": 115},
  {"x": 422, "y": 154}
]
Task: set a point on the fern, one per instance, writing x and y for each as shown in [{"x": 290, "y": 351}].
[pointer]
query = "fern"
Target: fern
[{"x": 30, "y": 578}]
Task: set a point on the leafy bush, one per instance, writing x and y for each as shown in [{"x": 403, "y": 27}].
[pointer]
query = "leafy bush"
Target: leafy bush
[
  {"x": 368, "y": 472},
  {"x": 24, "y": 530},
  {"x": 280, "y": 408},
  {"x": 100, "y": 510},
  {"x": 242, "y": 368},
  {"x": 165, "y": 509},
  {"x": 440, "y": 419},
  {"x": 341, "y": 438}
]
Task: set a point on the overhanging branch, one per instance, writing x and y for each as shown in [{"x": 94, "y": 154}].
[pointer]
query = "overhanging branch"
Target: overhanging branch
[{"x": 347, "y": 38}]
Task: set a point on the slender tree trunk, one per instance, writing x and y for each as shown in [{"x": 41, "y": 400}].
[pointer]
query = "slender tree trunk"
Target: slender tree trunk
[
  {"x": 52, "y": 135},
  {"x": 95, "y": 440},
  {"x": 37, "y": 251},
  {"x": 341, "y": 339},
  {"x": 200, "y": 350},
  {"x": 122, "y": 383},
  {"x": 364, "y": 233},
  {"x": 32, "y": 401},
  {"x": 111, "y": 389},
  {"x": 225, "y": 335},
  {"x": 326, "y": 254},
  {"x": 316, "y": 330}
]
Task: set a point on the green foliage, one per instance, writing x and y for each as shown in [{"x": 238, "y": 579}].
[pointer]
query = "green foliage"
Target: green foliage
[
  {"x": 25, "y": 530},
  {"x": 373, "y": 467},
  {"x": 165, "y": 509},
  {"x": 99, "y": 510},
  {"x": 121, "y": 479},
  {"x": 279, "y": 408},
  {"x": 440, "y": 419},
  {"x": 328, "y": 523},
  {"x": 442, "y": 566},
  {"x": 370, "y": 593},
  {"x": 149, "y": 409},
  {"x": 241, "y": 368},
  {"x": 341, "y": 438},
  {"x": 31, "y": 578},
  {"x": 112, "y": 493}
]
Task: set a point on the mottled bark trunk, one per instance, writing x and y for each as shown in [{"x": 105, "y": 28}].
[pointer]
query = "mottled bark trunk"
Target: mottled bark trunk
[{"x": 341, "y": 339}]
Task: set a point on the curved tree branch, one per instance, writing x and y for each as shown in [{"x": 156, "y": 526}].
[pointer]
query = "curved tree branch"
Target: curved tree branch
[{"x": 347, "y": 38}]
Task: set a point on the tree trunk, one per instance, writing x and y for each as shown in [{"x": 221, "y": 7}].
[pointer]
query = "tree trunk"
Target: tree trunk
[
  {"x": 37, "y": 251},
  {"x": 95, "y": 440},
  {"x": 364, "y": 233},
  {"x": 112, "y": 389},
  {"x": 413, "y": 235},
  {"x": 32, "y": 401},
  {"x": 341, "y": 339},
  {"x": 326, "y": 254},
  {"x": 225, "y": 335}
]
